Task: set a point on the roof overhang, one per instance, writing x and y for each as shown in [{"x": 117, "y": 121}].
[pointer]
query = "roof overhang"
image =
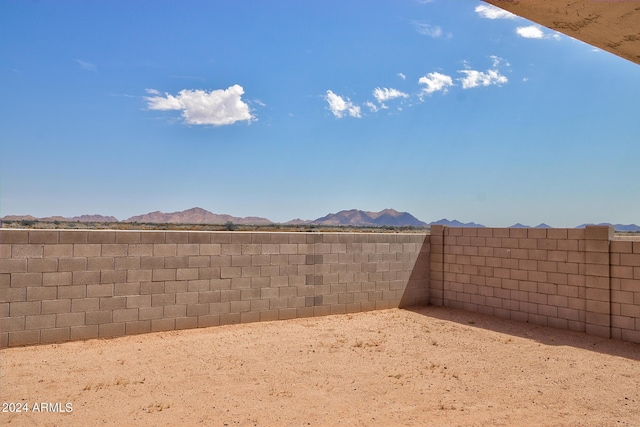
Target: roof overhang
[{"x": 611, "y": 25}]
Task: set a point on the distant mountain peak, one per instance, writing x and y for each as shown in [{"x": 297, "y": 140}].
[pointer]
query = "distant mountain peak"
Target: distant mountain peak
[
  {"x": 518, "y": 225},
  {"x": 390, "y": 212},
  {"x": 93, "y": 218},
  {"x": 359, "y": 218},
  {"x": 197, "y": 210},
  {"x": 617, "y": 227},
  {"x": 298, "y": 221},
  {"x": 196, "y": 216},
  {"x": 81, "y": 218},
  {"x": 455, "y": 223}
]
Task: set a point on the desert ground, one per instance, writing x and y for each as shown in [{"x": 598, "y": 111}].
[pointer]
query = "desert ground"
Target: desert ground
[{"x": 426, "y": 367}]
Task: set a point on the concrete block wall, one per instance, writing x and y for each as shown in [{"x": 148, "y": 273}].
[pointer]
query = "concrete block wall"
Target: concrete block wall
[
  {"x": 520, "y": 274},
  {"x": 625, "y": 289},
  {"x": 61, "y": 285},
  {"x": 65, "y": 285},
  {"x": 597, "y": 280},
  {"x": 576, "y": 279}
]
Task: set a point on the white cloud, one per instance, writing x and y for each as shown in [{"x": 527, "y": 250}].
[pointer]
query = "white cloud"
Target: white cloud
[
  {"x": 435, "y": 82},
  {"x": 496, "y": 61},
  {"x": 199, "y": 107},
  {"x": 373, "y": 107},
  {"x": 430, "y": 30},
  {"x": 340, "y": 106},
  {"x": 492, "y": 12},
  {"x": 475, "y": 78},
  {"x": 86, "y": 65},
  {"x": 402, "y": 76},
  {"x": 530, "y": 32},
  {"x": 161, "y": 103},
  {"x": 535, "y": 32},
  {"x": 152, "y": 91},
  {"x": 385, "y": 94}
]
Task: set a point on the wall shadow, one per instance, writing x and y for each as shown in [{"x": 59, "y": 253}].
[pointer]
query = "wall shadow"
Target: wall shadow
[
  {"x": 545, "y": 335},
  {"x": 416, "y": 293}
]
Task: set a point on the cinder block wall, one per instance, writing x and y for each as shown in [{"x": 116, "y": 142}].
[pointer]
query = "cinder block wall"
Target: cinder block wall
[
  {"x": 625, "y": 289},
  {"x": 577, "y": 279},
  {"x": 66, "y": 285}
]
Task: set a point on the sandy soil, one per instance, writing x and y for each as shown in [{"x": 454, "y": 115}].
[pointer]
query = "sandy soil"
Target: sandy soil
[{"x": 433, "y": 366}]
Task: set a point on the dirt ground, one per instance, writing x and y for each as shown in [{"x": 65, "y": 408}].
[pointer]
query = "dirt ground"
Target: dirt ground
[{"x": 429, "y": 367}]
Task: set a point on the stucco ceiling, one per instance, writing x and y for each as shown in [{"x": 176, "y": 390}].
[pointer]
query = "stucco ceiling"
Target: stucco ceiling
[{"x": 611, "y": 25}]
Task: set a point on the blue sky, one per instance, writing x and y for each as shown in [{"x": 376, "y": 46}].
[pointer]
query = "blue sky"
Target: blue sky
[{"x": 283, "y": 109}]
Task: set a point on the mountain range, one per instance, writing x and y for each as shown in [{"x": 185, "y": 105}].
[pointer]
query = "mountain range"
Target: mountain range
[
  {"x": 196, "y": 216},
  {"x": 81, "y": 218},
  {"x": 617, "y": 227},
  {"x": 352, "y": 217},
  {"x": 518, "y": 225},
  {"x": 355, "y": 217},
  {"x": 456, "y": 223}
]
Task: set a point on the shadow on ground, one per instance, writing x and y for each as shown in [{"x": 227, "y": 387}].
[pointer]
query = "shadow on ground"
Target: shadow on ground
[{"x": 543, "y": 334}]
